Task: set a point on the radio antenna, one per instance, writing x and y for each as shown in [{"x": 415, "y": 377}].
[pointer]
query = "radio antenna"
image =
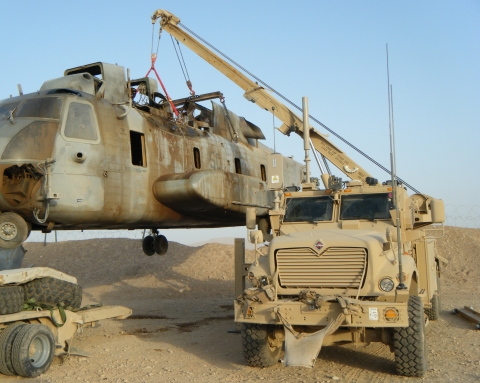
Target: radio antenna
[{"x": 391, "y": 124}]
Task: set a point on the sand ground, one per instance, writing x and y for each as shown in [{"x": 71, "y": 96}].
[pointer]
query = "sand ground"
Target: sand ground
[{"x": 183, "y": 310}]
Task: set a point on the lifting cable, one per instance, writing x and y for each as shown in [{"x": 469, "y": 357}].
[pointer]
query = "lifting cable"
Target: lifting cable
[
  {"x": 186, "y": 77},
  {"x": 296, "y": 107},
  {"x": 154, "y": 58},
  {"x": 233, "y": 132}
]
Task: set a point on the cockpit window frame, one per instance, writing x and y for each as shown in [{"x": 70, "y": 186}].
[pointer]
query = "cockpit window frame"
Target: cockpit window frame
[{"x": 66, "y": 110}]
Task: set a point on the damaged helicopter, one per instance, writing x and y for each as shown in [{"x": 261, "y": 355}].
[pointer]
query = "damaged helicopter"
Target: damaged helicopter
[{"x": 96, "y": 150}]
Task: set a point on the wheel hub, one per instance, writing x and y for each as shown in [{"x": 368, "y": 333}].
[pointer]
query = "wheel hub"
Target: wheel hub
[{"x": 8, "y": 231}]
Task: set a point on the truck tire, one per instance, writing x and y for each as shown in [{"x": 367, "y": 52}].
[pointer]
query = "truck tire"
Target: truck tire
[
  {"x": 7, "y": 337},
  {"x": 53, "y": 291},
  {"x": 11, "y": 299},
  {"x": 433, "y": 312},
  {"x": 33, "y": 350},
  {"x": 409, "y": 342},
  {"x": 257, "y": 350}
]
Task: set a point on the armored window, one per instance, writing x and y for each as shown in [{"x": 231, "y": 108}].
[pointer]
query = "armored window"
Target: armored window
[
  {"x": 309, "y": 209},
  {"x": 238, "y": 166},
  {"x": 263, "y": 173},
  {"x": 80, "y": 123},
  {"x": 365, "y": 206},
  {"x": 137, "y": 142},
  {"x": 196, "y": 157}
]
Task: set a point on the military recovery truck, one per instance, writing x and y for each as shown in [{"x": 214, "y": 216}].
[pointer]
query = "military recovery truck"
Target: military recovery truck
[
  {"x": 331, "y": 275},
  {"x": 354, "y": 262}
]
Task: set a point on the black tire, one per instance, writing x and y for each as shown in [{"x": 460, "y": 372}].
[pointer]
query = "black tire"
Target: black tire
[
  {"x": 409, "y": 342},
  {"x": 11, "y": 299},
  {"x": 148, "y": 245},
  {"x": 33, "y": 350},
  {"x": 257, "y": 350},
  {"x": 433, "y": 312},
  {"x": 53, "y": 291},
  {"x": 13, "y": 230},
  {"x": 7, "y": 337},
  {"x": 161, "y": 245}
]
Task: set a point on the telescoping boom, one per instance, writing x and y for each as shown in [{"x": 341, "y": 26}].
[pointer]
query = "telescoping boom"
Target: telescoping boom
[{"x": 263, "y": 98}]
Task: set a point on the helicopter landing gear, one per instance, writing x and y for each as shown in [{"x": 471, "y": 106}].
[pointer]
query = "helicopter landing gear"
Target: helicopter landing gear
[
  {"x": 155, "y": 243},
  {"x": 13, "y": 230}
]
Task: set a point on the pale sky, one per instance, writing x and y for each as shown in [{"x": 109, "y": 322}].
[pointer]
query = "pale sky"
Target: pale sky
[{"x": 331, "y": 51}]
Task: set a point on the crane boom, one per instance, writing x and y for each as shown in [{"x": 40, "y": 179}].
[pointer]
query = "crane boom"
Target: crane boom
[{"x": 263, "y": 98}]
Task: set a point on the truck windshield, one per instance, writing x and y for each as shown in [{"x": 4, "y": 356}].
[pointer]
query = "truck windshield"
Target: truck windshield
[
  {"x": 309, "y": 209},
  {"x": 365, "y": 206}
]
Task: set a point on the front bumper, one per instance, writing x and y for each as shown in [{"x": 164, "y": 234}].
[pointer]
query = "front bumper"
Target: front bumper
[{"x": 368, "y": 313}]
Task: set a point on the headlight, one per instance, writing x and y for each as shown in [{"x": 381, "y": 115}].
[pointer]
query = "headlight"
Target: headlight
[{"x": 386, "y": 284}]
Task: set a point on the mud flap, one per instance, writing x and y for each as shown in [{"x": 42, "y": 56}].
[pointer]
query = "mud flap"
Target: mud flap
[{"x": 302, "y": 349}]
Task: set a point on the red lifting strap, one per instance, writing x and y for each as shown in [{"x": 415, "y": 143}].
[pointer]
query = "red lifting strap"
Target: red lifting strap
[{"x": 154, "y": 58}]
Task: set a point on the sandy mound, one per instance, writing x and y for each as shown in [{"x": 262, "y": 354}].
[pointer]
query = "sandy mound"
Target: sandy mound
[{"x": 118, "y": 267}]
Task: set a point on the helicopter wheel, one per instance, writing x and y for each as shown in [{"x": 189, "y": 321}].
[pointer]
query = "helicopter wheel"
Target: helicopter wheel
[
  {"x": 161, "y": 244},
  {"x": 148, "y": 245},
  {"x": 13, "y": 230}
]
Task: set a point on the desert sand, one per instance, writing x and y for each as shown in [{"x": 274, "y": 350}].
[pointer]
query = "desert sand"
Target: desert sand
[{"x": 183, "y": 310}]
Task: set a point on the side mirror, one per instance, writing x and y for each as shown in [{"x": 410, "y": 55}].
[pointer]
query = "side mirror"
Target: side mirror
[
  {"x": 256, "y": 237},
  {"x": 251, "y": 218}
]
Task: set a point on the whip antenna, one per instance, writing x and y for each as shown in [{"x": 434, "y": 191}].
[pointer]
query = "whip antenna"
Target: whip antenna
[{"x": 400, "y": 286}]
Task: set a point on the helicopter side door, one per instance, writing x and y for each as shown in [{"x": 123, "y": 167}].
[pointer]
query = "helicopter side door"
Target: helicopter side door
[{"x": 77, "y": 175}]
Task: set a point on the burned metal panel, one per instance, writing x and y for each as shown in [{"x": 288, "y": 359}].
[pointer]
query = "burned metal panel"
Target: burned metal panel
[
  {"x": 211, "y": 191},
  {"x": 113, "y": 75},
  {"x": 228, "y": 128},
  {"x": 82, "y": 82}
]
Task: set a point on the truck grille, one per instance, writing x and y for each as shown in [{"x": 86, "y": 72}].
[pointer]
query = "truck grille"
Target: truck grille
[{"x": 336, "y": 267}]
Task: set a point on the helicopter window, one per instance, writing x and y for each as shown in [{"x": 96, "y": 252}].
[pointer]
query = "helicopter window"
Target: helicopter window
[
  {"x": 45, "y": 107},
  {"x": 238, "y": 166},
  {"x": 365, "y": 206},
  {"x": 263, "y": 173},
  {"x": 196, "y": 157},
  {"x": 137, "y": 142},
  {"x": 35, "y": 141},
  {"x": 80, "y": 123},
  {"x": 6, "y": 109}
]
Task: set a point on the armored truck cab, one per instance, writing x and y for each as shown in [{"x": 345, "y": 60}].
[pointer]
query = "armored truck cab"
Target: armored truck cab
[{"x": 331, "y": 274}]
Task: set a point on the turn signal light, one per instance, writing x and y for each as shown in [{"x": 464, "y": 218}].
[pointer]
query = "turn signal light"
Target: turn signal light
[{"x": 390, "y": 315}]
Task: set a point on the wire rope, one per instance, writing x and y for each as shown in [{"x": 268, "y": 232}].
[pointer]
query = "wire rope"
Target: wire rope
[{"x": 297, "y": 107}]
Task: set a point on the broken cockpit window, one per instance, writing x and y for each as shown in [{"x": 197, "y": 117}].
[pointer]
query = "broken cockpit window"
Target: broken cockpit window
[
  {"x": 45, "y": 107},
  {"x": 7, "y": 109},
  {"x": 35, "y": 141}
]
